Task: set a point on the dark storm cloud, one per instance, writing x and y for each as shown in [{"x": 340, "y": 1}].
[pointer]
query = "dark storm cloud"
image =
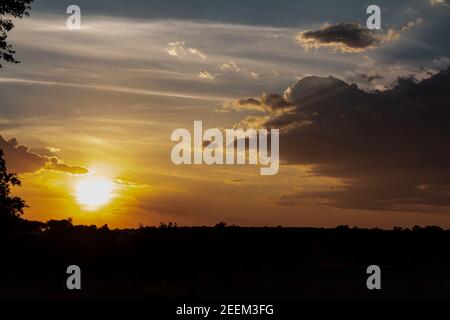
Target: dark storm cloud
[
  {"x": 390, "y": 149},
  {"x": 372, "y": 78},
  {"x": 249, "y": 101},
  {"x": 20, "y": 159},
  {"x": 351, "y": 36},
  {"x": 267, "y": 102},
  {"x": 347, "y": 37},
  {"x": 274, "y": 101}
]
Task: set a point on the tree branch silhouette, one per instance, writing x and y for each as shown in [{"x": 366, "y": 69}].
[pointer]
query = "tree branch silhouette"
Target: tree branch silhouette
[
  {"x": 12, "y": 9},
  {"x": 10, "y": 206}
]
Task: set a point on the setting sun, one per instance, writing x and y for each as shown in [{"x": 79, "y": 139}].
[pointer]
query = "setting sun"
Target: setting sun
[{"x": 94, "y": 192}]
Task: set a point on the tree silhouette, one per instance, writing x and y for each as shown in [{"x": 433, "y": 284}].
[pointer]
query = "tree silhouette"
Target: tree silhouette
[
  {"x": 10, "y": 206},
  {"x": 16, "y": 9}
]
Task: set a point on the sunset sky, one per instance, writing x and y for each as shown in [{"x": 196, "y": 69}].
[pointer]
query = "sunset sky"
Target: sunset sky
[{"x": 95, "y": 109}]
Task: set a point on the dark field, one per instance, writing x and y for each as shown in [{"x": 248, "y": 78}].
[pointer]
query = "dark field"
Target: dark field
[{"x": 222, "y": 263}]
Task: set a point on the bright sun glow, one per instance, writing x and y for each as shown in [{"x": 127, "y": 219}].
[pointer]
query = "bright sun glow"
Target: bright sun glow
[{"x": 94, "y": 192}]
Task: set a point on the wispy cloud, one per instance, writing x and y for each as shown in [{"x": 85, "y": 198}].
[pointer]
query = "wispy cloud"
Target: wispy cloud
[
  {"x": 437, "y": 3},
  {"x": 412, "y": 24},
  {"x": 118, "y": 89},
  {"x": 179, "y": 49},
  {"x": 206, "y": 75}
]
